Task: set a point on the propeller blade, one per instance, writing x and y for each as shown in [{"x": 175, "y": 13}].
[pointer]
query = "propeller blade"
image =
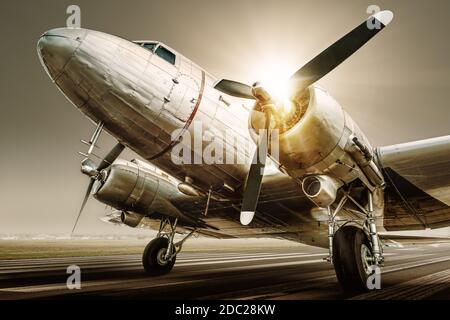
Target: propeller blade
[
  {"x": 88, "y": 167},
  {"x": 111, "y": 156},
  {"x": 86, "y": 197},
  {"x": 251, "y": 193},
  {"x": 254, "y": 177},
  {"x": 338, "y": 52},
  {"x": 234, "y": 88}
]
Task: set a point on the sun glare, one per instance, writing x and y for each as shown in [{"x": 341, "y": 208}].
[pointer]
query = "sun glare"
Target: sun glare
[{"x": 275, "y": 79}]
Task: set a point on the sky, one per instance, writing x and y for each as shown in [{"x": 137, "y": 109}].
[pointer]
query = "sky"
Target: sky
[{"x": 397, "y": 87}]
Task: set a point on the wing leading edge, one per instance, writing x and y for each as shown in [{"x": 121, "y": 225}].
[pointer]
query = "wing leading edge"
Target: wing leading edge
[{"x": 418, "y": 184}]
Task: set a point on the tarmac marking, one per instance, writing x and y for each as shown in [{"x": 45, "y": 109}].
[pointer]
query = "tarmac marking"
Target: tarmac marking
[
  {"x": 440, "y": 280},
  {"x": 184, "y": 262},
  {"x": 94, "y": 259},
  {"x": 46, "y": 288}
]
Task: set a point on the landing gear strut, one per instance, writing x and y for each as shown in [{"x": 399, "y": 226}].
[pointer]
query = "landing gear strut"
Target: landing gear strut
[
  {"x": 161, "y": 253},
  {"x": 354, "y": 251}
]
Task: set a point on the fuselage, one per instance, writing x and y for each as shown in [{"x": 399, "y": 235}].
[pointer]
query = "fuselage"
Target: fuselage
[
  {"x": 147, "y": 96},
  {"x": 143, "y": 98}
]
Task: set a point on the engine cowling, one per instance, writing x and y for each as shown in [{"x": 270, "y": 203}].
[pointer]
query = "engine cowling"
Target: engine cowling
[
  {"x": 317, "y": 137},
  {"x": 131, "y": 187}
]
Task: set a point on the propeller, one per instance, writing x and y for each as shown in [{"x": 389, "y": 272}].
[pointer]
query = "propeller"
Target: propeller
[
  {"x": 255, "y": 175},
  {"x": 89, "y": 168},
  {"x": 308, "y": 74},
  {"x": 234, "y": 88},
  {"x": 324, "y": 62},
  {"x": 339, "y": 51}
]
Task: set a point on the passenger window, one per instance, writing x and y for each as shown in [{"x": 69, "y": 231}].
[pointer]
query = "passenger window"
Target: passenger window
[
  {"x": 150, "y": 46},
  {"x": 166, "y": 54}
]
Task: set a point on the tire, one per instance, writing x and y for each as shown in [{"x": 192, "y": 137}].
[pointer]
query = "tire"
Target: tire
[
  {"x": 152, "y": 265},
  {"x": 351, "y": 269}
]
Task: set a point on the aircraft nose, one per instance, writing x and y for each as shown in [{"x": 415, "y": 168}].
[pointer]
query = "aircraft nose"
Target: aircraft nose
[{"x": 56, "y": 47}]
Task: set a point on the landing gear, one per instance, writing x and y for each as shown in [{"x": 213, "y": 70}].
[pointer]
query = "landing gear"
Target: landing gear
[
  {"x": 154, "y": 257},
  {"x": 161, "y": 253},
  {"x": 352, "y": 258},
  {"x": 354, "y": 250}
]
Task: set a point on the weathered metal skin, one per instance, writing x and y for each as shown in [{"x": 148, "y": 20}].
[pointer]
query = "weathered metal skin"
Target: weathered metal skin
[
  {"x": 142, "y": 99},
  {"x": 317, "y": 143},
  {"x": 418, "y": 176},
  {"x": 130, "y": 187},
  {"x": 124, "y": 85},
  {"x": 133, "y": 92}
]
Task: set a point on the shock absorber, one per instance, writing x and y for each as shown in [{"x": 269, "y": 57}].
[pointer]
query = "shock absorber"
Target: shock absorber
[{"x": 377, "y": 253}]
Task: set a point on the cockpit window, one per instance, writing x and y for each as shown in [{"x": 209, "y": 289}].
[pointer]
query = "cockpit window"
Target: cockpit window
[
  {"x": 150, "y": 46},
  {"x": 166, "y": 54}
]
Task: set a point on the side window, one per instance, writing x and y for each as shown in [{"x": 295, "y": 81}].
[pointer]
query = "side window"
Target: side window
[
  {"x": 166, "y": 54},
  {"x": 150, "y": 46}
]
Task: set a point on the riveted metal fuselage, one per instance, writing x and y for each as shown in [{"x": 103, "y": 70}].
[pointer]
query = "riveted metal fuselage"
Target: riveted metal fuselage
[{"x": 146, "y": 102}]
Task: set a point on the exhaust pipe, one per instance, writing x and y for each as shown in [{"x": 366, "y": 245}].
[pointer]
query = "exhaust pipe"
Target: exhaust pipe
[
  {"x": 321, "y": 189},
  {"x": 130, "y": 219}
]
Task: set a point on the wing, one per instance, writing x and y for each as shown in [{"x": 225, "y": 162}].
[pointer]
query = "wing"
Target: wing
[
  {"x": 418, "y": 184},
  {"x": 283, "y": 212}
]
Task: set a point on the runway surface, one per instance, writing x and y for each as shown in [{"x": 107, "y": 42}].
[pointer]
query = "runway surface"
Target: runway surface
[{"x": 416, "y": 272}]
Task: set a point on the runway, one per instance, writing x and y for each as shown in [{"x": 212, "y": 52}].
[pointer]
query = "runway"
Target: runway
[{"x": 416, "y": 272}]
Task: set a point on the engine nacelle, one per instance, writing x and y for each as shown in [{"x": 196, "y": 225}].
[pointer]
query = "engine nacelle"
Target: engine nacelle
[
  {"x": 321, "y": 189},
  {"x": 131, "y": 187},
  {"x": 317, "y": 137}
]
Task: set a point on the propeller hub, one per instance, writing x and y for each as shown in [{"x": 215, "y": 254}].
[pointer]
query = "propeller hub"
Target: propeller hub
[
  {"x": 102, "y": 175},
  {"x": 89, "y": 168},
  {"x": 260, "y": 93}
]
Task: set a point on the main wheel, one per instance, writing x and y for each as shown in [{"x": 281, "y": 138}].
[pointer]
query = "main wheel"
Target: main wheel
[
  {"x": 352, "y": 259},
  {"x": 153, "y": 257}
]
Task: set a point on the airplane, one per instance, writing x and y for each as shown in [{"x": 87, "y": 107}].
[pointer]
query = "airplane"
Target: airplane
[{"x": 328, "y": 187}]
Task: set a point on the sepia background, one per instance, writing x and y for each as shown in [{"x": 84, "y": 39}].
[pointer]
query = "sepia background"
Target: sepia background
[{"x": 397, "y": 87}]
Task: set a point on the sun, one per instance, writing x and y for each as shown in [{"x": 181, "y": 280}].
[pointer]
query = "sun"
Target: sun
[{"x": 275, "y": 79}]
